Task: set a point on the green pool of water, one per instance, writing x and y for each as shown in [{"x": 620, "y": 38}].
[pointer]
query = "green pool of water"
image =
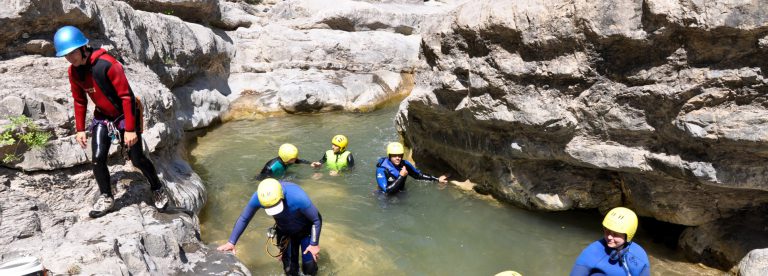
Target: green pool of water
[{"x": 428, "y": 230}]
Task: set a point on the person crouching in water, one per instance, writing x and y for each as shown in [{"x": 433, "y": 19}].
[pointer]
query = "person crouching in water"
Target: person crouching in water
[
  {"x": 392, "y": 171},
  {"x": 297, "y": 224},
  {"x": 614, "y": 254},
  {"x": 97, "y": 75},
  {"x": 338, "y": 157},
  {"x": 287, "y": 155}
]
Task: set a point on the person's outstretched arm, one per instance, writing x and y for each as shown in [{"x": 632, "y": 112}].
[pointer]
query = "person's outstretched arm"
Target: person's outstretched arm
[
  {"x": 241, "y": 223},
  {"x": 416, "y": 173},
  {"x": 319, "y": 163}
]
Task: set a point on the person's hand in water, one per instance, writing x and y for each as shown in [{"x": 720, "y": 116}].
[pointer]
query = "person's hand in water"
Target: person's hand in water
[
  {"x": 227, "y": 247},
  {"x": 333, "y": 173},
  {"x": 442, "y": 179},
  {"x": 317, "y": 176},
  {"x": 316, "y": 164}
]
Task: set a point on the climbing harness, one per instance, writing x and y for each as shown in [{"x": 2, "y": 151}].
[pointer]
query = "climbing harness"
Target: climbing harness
[
  {"x": 281, "y": 243},
  {"x": 113, "y": 132},
  {"x": 114, "y": 136}
]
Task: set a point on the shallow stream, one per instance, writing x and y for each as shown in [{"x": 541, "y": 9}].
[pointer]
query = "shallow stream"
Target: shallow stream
[{"x": 430, "y": 229}]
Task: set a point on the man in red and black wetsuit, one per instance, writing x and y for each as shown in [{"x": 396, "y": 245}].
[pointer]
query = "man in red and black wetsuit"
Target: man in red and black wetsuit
[{"x": 97, "y": 75}]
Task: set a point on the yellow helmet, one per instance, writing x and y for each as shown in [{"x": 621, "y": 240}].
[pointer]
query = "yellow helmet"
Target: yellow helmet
[
  {"x": 340, "y": 140},
  {"x": 621, "y": 220},
  {"x": 287, "y": 152},
  {"x": 395, "y": 148},
  {"x": 270, "y": 192}
]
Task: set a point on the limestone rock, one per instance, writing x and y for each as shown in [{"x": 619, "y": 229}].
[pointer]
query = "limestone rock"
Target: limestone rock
[
  {"x": 404, "y": 16},
  {"x": 559, "y": 105},
  {"x": 755, "y": 263},
  {"x": 53, "y": 189},
  {"x": 295, "y": 91},
  {"x": 726, "y": 242},
  {"x": 198, "y": 11},
  {"x": 236, "y": 14}
]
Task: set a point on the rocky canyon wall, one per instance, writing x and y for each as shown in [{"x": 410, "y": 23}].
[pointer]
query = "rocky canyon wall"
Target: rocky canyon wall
[{"x": 657, "y": 105}]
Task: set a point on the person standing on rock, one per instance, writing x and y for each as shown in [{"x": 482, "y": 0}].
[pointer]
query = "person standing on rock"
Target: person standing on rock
[
  {"x": 338, "y": 157},
  {"x": 287, "y": 155},
  {"x": 297, "y": 224},
  {"x": 392, "y": 171},
  {"x": 614, "y": 254},
  {"x": 95, "y": 74}
]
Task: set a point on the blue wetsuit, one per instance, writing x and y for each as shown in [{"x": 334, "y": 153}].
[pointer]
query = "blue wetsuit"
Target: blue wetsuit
[
  {"x": 389, "y": 179},
  {"x": 299, "y": 223},
  {"x": 596, "y": 259},
  {"x": 275, "y": 168}
]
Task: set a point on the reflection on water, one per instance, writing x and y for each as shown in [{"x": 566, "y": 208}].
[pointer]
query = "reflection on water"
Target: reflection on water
[{"x": 428, "y": 230}]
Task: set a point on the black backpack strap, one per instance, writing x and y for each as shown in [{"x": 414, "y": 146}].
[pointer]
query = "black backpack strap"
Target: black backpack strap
[{"x": 99, "y": 72}]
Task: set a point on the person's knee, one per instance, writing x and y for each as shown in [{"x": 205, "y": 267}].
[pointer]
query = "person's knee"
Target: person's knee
[
  {"x": 309, "y": 268},
  {"x": 138, "y": 159},
  {"x": 100, "y": 160}
]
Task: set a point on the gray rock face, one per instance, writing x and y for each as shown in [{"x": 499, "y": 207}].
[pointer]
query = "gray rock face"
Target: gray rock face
[
  {"x": 655, "y": 105},
  {"x": 314, "y": 57},
  {"x": 45, "y": 197},
  {"x": 725, "y": 242},
  {"x": 199, "y": 11},
  {"x": 45, "y": 215}
]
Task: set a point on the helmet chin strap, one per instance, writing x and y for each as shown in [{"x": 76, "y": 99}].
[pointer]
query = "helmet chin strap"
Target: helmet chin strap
[{"x": 619, "y": 252}]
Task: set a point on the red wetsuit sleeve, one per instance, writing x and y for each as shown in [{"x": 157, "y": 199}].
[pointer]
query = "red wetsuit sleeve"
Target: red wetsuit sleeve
[
  {"x": 80, "y": 100},
  {"x": 120, "y": 82}
]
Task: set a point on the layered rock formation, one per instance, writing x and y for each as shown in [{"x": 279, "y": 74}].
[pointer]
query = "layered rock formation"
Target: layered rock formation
[
  {"x": 310, "y": 57},
  {"x": 45, "y": 197},
  {"x": 555, "y": 105},
  {"x": 187, "y": 61}
]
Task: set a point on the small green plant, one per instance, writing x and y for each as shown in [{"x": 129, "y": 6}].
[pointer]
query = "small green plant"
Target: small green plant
[
  {"x": 168, "y": 60},
  {"x": 22, "y": 130}
]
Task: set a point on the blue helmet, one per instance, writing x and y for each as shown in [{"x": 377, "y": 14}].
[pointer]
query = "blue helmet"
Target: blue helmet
[{"x": 67, "y": 39}]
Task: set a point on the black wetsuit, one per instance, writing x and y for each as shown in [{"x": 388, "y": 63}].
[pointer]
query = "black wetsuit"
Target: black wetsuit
[
  {"x": 103, "y": 80},
  {"x": 275, "y": 168},
  {"x": 100, "y": 143}
]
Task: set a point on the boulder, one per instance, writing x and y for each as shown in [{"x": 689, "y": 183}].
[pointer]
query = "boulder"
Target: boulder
[{"x": 755, "y": 263}]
